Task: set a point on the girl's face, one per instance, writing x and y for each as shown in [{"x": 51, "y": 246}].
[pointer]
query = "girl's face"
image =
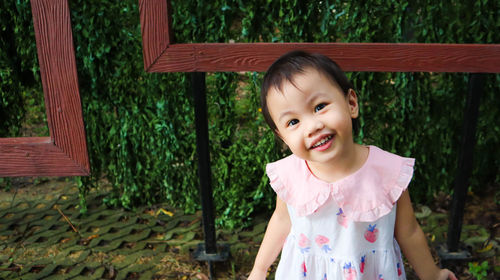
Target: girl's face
[{"x": 314, "y": 118}]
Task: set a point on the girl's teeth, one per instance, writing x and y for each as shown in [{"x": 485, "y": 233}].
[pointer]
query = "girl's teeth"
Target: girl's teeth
[{"x": 323, "y": 141}]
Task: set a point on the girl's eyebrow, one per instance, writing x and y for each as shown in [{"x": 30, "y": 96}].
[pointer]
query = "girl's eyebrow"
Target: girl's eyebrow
[
  {"x": 315, "y": 96},
  {"x": 284, "y": 114}
]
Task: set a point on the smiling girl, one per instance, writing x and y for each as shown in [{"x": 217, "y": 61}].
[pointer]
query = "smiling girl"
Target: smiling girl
[{"x": 342, "y": 209}]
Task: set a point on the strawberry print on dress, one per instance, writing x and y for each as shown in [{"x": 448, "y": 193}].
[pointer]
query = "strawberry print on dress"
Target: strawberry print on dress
[
  {"x": 362, "y": 264},
  {"x": 371, "y": 233},
  {"x": 304, "y": 244},
  {"x": 342, "y": 218},
  {"x": 322, "y": 242},
  {"x": 349, "y": 272},
  {"x": 304, "y": 269}
]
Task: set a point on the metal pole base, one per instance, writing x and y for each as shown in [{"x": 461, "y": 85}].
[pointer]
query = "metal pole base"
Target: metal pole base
[
  {"x": 446, "y": 256},
  {"x": 222, "y": 254}
]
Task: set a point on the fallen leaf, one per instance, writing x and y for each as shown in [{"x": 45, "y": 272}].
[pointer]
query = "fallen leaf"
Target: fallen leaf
[
  {"x": 91, "y": 237},
  {"x": 161, "y": 210},
  {"x": 65, "y": 240},
  {"x": 486, "y": 248}
]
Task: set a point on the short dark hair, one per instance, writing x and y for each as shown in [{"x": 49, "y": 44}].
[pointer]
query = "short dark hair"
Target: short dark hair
[{"x": 296, "y": 62}]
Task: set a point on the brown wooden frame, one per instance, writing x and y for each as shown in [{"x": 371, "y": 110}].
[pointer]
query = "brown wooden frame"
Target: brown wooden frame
[
  {"x": 162, "y": 55},
  {"x": 64, "y": 153}
]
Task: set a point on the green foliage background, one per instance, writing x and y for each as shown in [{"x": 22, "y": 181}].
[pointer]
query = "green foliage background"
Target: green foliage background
[{"x": 140, "y": 129}]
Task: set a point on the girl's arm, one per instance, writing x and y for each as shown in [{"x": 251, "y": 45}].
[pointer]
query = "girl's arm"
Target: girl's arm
[
  {"x": 276, "y": 233},
  {"x": 413, "y": 243}
]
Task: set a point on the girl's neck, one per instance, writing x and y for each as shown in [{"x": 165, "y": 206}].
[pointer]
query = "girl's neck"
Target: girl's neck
[{"x": 344, "y": 164}]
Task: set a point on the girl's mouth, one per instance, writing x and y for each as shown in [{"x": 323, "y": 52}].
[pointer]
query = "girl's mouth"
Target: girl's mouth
[{"x": 323, "y": 143}]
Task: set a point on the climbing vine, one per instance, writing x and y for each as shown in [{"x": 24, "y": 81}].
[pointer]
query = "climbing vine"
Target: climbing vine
[{"x": 140, "y": 126}]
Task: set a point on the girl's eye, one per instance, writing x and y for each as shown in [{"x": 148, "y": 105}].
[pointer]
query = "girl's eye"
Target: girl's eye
[
  {"x": 319, "y": 107},
  {"x": 293, "y": 122}
]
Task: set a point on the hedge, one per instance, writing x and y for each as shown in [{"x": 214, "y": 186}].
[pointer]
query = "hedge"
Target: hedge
[{"x": 140, "y": 127}]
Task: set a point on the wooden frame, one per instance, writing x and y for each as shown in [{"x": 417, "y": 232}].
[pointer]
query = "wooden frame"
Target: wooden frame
[
  {"x": 64, "y": 153},
  {"x": 162, "y": 55}
]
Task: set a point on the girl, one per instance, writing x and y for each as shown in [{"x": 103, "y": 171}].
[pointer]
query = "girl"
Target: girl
[{"x": 342, "y": 209}]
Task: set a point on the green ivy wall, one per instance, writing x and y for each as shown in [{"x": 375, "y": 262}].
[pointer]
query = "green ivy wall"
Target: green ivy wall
[{"x": 140, "y": 128}]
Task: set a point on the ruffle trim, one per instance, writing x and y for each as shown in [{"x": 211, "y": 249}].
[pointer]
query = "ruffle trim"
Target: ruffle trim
[
  {"x": 303, "y": 207},
  {"x": 275, "y": 182},
  {"x": 392, "y": 194},
  {"x": 313, "y": 205}
]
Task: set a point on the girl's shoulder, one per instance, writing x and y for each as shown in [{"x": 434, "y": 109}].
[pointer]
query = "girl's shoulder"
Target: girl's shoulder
[{"x": 365, "y": 195}]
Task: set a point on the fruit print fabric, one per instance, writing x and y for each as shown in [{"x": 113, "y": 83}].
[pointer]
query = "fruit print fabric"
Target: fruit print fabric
[
  {"x": 339, "y": 253},
  {"x": 342, "y": 219},
  {"x": 323, "y": 241},
  {"x": 304, "y": 244},
  {"x": 362, "y": 264},
  {"x": 349, "y": 272},
  {"x": 371, "y": 233},
  {"x": 329, "y": 244}
]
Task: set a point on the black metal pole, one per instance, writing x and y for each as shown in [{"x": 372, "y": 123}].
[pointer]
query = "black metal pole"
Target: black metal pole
[
  {"x": 476, "y": 82},
  {"x": 202, "y": 148},
  {"x": 200, "y": 109},
  {"x": 209, "y": 251}
]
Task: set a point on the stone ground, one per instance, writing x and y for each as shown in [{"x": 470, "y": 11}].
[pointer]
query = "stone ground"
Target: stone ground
[{"x": 44, "y": 236}]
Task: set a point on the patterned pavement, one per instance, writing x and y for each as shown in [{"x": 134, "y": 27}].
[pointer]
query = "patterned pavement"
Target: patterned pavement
[{"x": 46, "y": 237}]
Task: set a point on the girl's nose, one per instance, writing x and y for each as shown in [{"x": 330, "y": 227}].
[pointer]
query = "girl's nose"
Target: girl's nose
[{"x": 314, "y": 126}]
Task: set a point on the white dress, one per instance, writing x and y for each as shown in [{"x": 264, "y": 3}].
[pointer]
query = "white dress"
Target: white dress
[{"x": 342, "y": 230}]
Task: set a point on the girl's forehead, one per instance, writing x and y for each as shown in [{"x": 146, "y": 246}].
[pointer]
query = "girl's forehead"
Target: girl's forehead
[{"x": 305, "y": 81}]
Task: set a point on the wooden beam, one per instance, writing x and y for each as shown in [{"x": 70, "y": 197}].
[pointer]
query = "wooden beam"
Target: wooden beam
[
  {"x": 162, "y": 55},
  {"x": 373, "y": 57},
  {"x": 36, "y": 156},
  {"x": 155, "y": 29}
]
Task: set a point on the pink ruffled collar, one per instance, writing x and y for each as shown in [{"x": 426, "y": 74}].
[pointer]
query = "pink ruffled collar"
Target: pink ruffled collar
[{"x": 364, "y": 196}]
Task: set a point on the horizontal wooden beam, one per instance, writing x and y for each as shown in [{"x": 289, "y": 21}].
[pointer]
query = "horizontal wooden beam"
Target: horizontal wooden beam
[
  {"x": 162, "y": 54},
  {"x": 372, "y": 57},
  {"x": 36, "y": 156}
]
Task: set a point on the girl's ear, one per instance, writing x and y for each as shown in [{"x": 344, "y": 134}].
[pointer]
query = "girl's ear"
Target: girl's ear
[{"x": 352, "y": 100}]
